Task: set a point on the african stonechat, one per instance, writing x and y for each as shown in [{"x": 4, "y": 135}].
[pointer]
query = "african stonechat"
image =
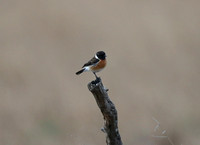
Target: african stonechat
[{"x": 96, "y": 64}]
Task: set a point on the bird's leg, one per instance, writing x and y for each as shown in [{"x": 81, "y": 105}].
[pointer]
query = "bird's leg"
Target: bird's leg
[
  {"x": 95, "y": 75},
  {"x": 97, "y": 78}
]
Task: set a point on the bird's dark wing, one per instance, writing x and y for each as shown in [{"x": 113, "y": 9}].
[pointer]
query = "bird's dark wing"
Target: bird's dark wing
[{"x": 93, "y": 61}]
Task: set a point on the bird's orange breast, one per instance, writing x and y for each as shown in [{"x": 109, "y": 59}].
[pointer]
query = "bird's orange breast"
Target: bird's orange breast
[{"x": 99, "y": 66}]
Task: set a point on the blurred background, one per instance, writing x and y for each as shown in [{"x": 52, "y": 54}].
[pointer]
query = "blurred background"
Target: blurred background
[{"x": 153, "y": 70}]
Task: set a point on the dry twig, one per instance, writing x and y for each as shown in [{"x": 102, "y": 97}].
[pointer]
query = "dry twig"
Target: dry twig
[{"x": 108, "y": 110}]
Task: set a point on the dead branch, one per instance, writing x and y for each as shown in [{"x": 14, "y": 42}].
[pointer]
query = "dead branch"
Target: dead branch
[{"x": 108, "y": 110}]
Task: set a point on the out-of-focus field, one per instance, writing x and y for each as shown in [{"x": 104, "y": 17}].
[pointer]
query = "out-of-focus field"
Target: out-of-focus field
[{"x": 153, "y": 70}]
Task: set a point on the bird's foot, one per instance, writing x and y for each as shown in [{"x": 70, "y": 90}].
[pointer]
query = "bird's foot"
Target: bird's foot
[{"x": 98, "y": 79}]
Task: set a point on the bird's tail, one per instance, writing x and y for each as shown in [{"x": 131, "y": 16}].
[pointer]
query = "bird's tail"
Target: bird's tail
[{"x": 80, "y": 71}]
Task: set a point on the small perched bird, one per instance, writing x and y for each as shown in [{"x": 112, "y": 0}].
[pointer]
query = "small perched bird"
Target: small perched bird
[{"x": 96, "y": 64}]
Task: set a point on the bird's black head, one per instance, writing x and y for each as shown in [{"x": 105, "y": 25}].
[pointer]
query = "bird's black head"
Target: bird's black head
[{"x": 101, "y": 55}]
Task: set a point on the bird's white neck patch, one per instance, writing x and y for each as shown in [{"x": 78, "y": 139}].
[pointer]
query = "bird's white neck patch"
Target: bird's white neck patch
[{"x": 96, "y": 56}]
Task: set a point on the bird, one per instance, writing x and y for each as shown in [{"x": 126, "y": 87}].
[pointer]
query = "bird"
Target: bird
[{"x": 96, "y": 64}]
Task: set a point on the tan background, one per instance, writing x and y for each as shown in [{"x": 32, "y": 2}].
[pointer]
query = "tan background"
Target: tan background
[{"x": 153, "y": 70}]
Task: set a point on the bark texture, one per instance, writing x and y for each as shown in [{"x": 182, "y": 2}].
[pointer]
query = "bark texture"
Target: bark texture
[{"x": 108, "y": 110}]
